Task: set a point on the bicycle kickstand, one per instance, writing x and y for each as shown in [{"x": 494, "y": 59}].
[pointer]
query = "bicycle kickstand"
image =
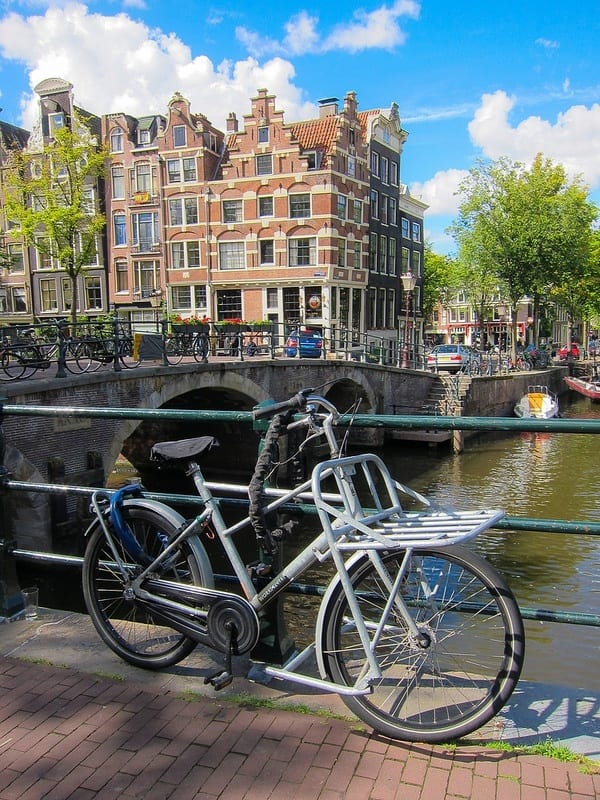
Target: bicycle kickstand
[{"x": 221, "y": 679}]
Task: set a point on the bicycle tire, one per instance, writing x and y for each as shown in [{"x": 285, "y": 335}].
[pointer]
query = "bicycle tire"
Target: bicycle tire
[
  {"x": 12, "y": 368},
  {"x": 129, "y": 631},
  {"x": 126, "y": 354},
  {"x": 200, "y": 348},
  {"x": 173, "y": 350},
  {"x": 468, "y": 670},
  {"x": 76, "y": 358}
]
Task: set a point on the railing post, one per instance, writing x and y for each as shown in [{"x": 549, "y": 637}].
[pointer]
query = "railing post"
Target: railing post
[
  {"x": 115, "y": 332},
  {"x": 11, "y": 600},
  {"x": 164, "y": 323},
  {"x": 62, "y": 326}
]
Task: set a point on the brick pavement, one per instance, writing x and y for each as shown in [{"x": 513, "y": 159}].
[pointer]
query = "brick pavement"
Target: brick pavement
[{"x": 68, "y": 735}]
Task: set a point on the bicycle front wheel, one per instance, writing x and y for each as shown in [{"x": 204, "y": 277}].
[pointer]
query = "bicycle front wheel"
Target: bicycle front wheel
[
  {"x": 173, "y": 350},
  {"x": 459, "y": 670},
  {"x": 129, "y": 630},
  {"x": 200, "y": 348}
]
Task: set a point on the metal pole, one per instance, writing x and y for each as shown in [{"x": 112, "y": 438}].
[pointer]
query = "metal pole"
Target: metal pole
[{"x": 404, "y": 364}]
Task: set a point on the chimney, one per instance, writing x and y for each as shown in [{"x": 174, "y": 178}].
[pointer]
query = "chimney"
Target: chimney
[
  {"x": 232, "y": 123},
  {"x": 328, "y": 107}
]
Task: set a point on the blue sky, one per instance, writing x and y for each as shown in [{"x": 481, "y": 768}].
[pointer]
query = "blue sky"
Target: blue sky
[{"x": 473, "y": 79}]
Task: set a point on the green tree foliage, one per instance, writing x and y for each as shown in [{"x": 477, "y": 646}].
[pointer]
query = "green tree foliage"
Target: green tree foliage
[
  {"x": 440, "y": 279},
  {"x": 51, "y": 196},
  {"x": 529, "y": 229}
]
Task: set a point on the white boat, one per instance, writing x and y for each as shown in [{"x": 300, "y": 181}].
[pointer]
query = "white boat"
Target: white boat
[{"x": 539, "y": 402}]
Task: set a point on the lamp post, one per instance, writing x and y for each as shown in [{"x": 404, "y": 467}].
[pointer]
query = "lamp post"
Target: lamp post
[{"x": 408, "y": 284}]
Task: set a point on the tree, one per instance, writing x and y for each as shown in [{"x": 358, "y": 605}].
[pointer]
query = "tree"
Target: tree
[
  {"x": 528, "y": 227},
  {"x": 439, "y": 279},
  {"x": 51, "y": 196}
]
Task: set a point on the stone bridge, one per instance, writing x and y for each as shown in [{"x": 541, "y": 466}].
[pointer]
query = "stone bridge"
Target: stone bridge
[{"x": 236, "y": 386}]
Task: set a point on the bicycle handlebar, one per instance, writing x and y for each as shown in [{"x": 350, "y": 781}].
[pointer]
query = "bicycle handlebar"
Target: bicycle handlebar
[{"x": 294, "y": 403}]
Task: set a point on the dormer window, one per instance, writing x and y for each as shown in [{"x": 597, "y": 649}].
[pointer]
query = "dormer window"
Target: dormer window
[
  {"x": 56, "y": 121},
  {"x": 312, "y": 161},
  {"x": 144, "y": 136}
]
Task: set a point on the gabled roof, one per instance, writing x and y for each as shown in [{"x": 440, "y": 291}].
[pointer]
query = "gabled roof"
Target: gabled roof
[
  {"x": 316, "y": 134},
  {"x": 11, "y": 136}
]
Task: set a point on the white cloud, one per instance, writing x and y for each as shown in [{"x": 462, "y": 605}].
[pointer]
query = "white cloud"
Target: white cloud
[
  {"x": 367, "y": 30},
  {"x": 548, "y": 44},
  {"x": 439, "y": 192},
  {"x": 573, "y": 140},
  {"x": 118, "y": 64}
]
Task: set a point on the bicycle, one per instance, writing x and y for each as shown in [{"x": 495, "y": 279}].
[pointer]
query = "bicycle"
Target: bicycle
[
  {"x": 421, "y": 638},
  {"x": 187, "y": 343},
  {"x": 30, "y": 353}
]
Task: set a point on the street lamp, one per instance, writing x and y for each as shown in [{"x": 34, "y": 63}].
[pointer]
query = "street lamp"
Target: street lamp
[{"x": 408, "y": 284}]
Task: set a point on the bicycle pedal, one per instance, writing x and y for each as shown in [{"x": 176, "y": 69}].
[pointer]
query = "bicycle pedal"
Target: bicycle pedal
[{"x": 220, "y": 680}]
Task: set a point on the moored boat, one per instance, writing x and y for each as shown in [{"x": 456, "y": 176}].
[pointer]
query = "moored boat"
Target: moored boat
[
  {"x": 588, "y": 387},
  {"x": 539, "y": 402}
]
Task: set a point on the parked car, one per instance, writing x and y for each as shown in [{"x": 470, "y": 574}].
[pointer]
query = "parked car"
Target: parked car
[
  {"x": 453, "y": 357},
  {"x": 564, "y": 352},
  {"x": 309, "y": 340}
]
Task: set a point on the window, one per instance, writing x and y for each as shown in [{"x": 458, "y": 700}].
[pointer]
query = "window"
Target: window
[
  {"x": 264, "y": 164},
  {"x": 189, "y": 169},
  {"x": 391, "y": 255},
  {"x": 351, "y": 166},
  {"x": 263, "y": 134},
  {"x": 143, "y": 178},
  {"x": 383, "y": 254},
  {"x": 179, "y": 138},
  {"x": 144, "y": 230},
  {"x": 416, "y": 231},
  {"x": 181, "y": 298},
  {"x": 375, "y": 163},
  {"x": 341, "y": 206},
  {"x": 357, "y": 210},
  {"x": 374, "y": 204},
  {"x": 118, "y": 183},
  {"x": 299, "y": 206},
  {"x": 312, "y": 160},
  {"x": 183, "y": 211},
  {"x": 229, "y": 304},
  {"x": 394, "y": 173},
  {"x": 265, "y": 206},
  {"x": 272, "y": 297},
  {"x": 67, "y": 294},
  {"x": 146, "y": 274},
  {"x": 392, "y": 211},
  {"x": 267, "y": 251},
  {"x": 415, "y": 262},
  {"x": 200, "y": 302},
  {"x": 391, "y": 308},
  {"x": 120, "y": 231},
  {"x": 116, "y": 140},
  {"x": 185, "y": 254},
  {"x": 48, "y": 299},
  {"x": 17, "y": 261},
  {"x": 56, "y": 121},
  {"x": 341, "y": 253},
  {"x": 232, "y": 255},
  {"x": 373, "y": 252},
  {"x": 384, "y": 170},
  {"x": 144, "y": 136},
  {"x": 232, "y": 210},
  {"x": 16, "y": 300},
  {"x": 93, "y": 293},
  {"x": 177, "y": 167},
  {"x": 384, "y": 209},
  {"x": 405, "y": 260},
  {"x": 121, "y": 276},
  {"x": 405, "y": 228},
  {"x": 302, "y": 252}
]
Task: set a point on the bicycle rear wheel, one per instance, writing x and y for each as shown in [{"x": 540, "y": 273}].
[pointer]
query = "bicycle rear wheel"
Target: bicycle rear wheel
[
  {"x": 200, "y": 348},
  {"x": 173, "y": 350},
  {"x": 461, "y": 669},
  {"x": 127, "y": 357},
  {"x": 129, "y": 630},
  {"x": 12, "y": 367}
]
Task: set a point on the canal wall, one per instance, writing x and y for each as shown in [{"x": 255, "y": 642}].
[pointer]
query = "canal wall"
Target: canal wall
[{"x": 496, "y": 395}]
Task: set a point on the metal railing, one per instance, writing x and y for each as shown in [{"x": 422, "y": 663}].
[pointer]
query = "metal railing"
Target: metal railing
[{"x": 8, "y": 549}]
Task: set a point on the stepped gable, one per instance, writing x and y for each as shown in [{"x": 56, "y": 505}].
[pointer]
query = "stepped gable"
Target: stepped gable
[{"x": 12, "y": 137}]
